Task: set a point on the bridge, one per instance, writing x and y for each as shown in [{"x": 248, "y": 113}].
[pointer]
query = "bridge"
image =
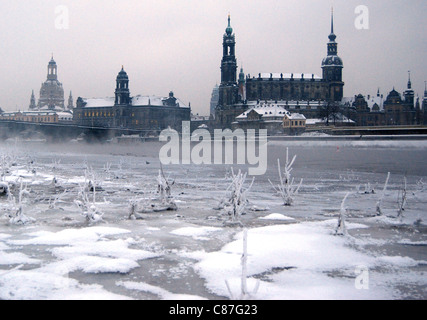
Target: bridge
[{"x": 60, "y": 132}]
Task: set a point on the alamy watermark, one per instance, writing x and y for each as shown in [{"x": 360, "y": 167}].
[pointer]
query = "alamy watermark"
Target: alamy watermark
[
  {"x": 62, "y": 17},
  {"x": 224, "y": 147},
  {"x": 362, "y": 20}
]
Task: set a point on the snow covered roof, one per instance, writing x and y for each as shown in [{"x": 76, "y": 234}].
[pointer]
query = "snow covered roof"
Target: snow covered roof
[
  {"x": 136, "y": 101},
  {"x": 99, "y": 102},
  {"x": 65, "y": 115},
  {"x": 378, "y": 100},
  {"x": 30, "y": 113},
  {"x": 297, "y": 76},
  {"x": 154, "y": 101},
  {"x": 296, "y": 116},
  {"x": 266, "y": 111},
  {"x": 270, "y": 112}
]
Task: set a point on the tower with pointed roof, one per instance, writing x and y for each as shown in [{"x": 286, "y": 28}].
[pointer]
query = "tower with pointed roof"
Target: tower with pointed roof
[
  {"x": 409, "y": 93},
  {"x": 228, "y": 86},
  {"x": 70, "y": 102},
  {"x": 32, "y": 105},
  {"x": 332, "y": 67},
  {"x": 122, "y": 92},
  {"x": 228, "y": 102},
  {"x": 51, "y": 92}
]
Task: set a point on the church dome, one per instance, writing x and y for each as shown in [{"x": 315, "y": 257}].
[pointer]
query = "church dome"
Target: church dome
[
  {"x": 122, "y": 75},
  {"x": 332, "y": 61}
]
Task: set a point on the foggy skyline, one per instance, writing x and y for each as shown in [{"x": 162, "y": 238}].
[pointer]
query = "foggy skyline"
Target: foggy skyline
[{"x": 176, "y": 46}]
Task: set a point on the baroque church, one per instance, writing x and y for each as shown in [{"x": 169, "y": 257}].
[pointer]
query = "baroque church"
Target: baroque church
[
  {"x": 51, "y": 105},
  {"x": 51, "y": 93},
  {"x": 305, "y": 93}
]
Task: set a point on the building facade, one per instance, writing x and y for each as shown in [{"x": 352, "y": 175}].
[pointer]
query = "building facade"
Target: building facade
[
  {"x": 273, "y": 117},
  {"x": 236, "y": 95},
  {"x": 145, "y": 113},
  {"x": 395, "y": 110}
]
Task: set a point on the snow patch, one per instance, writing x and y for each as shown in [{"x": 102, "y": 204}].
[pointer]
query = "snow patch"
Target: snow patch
[{"x": 276, "y": 216}]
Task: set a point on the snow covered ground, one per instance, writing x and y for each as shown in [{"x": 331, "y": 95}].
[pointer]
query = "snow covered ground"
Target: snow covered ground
[{"x": 189, "y": 253}]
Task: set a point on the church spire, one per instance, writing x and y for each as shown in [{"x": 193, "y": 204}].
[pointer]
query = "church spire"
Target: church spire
[
  {"x": 229, "y": 29},
  {"x": 332, "y": 36},
  {"x": 70, "y": 101},
  {"x": 32, "y": 101}
]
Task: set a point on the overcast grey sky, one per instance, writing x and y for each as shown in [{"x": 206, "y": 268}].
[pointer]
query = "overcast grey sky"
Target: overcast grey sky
[{"x": 177, "y": 44}]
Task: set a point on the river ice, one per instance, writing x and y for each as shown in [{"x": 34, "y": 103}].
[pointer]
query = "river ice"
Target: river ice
[{"x": 189, "y": 254}]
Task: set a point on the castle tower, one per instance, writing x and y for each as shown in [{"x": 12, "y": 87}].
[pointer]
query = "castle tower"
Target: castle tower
[
  {"x": 332, "y": 67},
  {"x": 122, "y": 89},
  {"x": 33, "y": 105}
]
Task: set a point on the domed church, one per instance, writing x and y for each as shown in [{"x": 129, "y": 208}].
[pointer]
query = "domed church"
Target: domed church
[{"x": 51, "y": 92}]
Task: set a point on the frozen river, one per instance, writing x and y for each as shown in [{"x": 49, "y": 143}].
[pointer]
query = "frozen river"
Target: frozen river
[{"x": 189, "y": 254}]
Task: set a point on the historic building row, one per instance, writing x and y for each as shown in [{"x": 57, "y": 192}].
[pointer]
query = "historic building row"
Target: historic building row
[{"x": 146, "y": 113}]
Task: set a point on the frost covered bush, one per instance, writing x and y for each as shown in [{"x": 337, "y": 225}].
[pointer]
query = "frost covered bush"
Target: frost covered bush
[
  {"x": 15, "y": 211},
  {"x": 379, "y": 211},
  {"x": 133, "y": 215},
  {"x": 235, "y": 202},
  {"x": 402, "y": 199},
  {"x": 163, "y": 202},
  {"x": 287, "y": 189},
  {"x": 341, "y": 229},
  {"x": 164, "y": 189},
  {"x": 88, "y": 207}
]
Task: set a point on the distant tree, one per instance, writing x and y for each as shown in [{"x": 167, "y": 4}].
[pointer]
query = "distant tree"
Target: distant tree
[{"x": 330, "y": 112}]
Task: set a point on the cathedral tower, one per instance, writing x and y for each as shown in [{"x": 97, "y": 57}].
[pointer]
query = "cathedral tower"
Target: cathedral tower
[
  {"x": 228, "y": 86},
  {"x": 332, "y": 67}
]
